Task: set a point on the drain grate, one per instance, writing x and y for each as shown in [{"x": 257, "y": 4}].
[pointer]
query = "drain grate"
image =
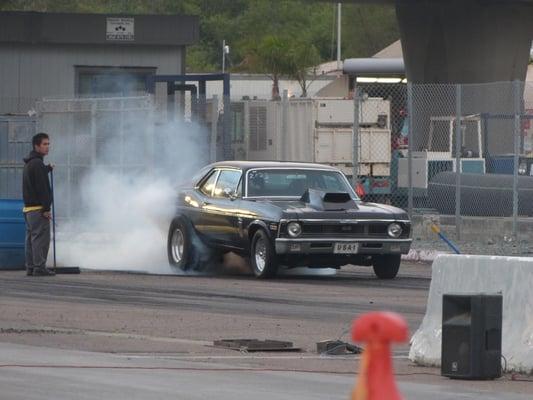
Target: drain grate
[{"x": 255, "y": 345}]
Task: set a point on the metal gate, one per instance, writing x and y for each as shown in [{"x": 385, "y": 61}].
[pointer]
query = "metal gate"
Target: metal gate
[
  {"x": 88, "y": 133},
  {"x": 16, "y": 132}
]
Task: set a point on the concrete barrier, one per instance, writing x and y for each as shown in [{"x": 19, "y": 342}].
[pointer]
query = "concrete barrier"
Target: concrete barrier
[{"x": 512, "y": 276}]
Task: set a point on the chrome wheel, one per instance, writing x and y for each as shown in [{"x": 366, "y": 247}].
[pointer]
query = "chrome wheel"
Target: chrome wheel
[
  {"x": 177, "y": 245},
  {"x": 260, "y": 254}
]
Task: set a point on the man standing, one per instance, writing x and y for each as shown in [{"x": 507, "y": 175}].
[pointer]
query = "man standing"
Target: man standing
[{"x": 37, "y": 202}]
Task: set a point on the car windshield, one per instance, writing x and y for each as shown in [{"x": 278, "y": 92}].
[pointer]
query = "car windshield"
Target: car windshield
[{"x": 294, "y": 182}]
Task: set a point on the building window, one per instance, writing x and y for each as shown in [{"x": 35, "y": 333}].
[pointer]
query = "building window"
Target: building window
[{"x": 114, "y": 81}]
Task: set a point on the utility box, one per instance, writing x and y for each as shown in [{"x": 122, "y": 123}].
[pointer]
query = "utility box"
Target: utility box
[
  {"x": 334, "y": 146},
  {"x": 334, "y": 112},
  {"x": 471, "y": 336},
  {"x": 375, "y": 146},
  {"x": 373, "y": 112}
]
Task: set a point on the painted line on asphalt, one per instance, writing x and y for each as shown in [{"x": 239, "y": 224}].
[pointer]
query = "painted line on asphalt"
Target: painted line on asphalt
[
  {"x": 248, "y": 357},
  {"x": 126, "y": 336}
]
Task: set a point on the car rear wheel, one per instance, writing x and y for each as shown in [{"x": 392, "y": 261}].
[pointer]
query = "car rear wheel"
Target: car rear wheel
[
  {"x": 180, "y": 248},
  {"x": 386, "y": 266},
  {"x": 263, "y": 256}
]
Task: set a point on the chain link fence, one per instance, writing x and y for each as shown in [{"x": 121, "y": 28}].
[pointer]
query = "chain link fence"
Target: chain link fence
[
  {"x": 456, "y": 156},
  {"x": 468, "y": 165},
  {"x": 114, "y": 133}
]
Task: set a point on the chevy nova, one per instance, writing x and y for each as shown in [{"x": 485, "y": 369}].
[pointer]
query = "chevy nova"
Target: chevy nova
[{"x": 281, "y": 213}]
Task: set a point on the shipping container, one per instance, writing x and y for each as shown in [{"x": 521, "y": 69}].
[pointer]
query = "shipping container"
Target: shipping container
[{"x": 315, "y": 130}]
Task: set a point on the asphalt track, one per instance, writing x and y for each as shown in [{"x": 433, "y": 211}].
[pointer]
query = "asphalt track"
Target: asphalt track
[{"x": 128, "y": 336}]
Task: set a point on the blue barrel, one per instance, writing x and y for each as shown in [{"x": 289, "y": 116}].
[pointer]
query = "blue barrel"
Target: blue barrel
[{"x": 12, "y": 231}]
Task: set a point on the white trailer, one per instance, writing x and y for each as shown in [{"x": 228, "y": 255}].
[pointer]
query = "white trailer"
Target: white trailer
[{"x": 315, "y": 130}]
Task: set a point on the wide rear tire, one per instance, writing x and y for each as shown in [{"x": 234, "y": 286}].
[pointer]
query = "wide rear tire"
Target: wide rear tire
[
  {"x": 180, "y": 248},
  {"x": 263, "y": 255},
  {"x": 386, "y": 266}
]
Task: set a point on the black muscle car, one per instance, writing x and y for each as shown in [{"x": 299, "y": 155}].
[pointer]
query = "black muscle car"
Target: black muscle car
[{"x": 281, "y": 213}]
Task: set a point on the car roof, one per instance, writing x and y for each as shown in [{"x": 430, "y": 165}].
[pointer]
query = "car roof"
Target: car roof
[{"x": 246, "y": 165}]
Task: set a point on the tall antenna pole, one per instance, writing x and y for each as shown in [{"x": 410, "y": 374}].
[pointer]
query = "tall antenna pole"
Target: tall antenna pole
[
  {"x": 223, "y": 56},
  {"x": 339, "y": 6},
  {"x": 225, "y": 51}
]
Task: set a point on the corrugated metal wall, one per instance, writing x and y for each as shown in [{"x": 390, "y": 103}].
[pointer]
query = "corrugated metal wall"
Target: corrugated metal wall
[
  {"x": 278, "y": 130},
  {"x": 31, "y": 72},
  {"x": 15, "y": 143}
]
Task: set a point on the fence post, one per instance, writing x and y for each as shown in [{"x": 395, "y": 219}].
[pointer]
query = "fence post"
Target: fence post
[
  {"x": 150, "y": 134},
  {"x": 227, "y": 138},
  {"x": 410, "y": 147},
  {"x": 171, "y": 102},
  {"x": 284, "y": 137},
  {"x": 214, "y": 129},
  {"x": 246, "y": 129},
  {"x": 516, "y": 138},
  {"x": 458, "y": 167},
  {"x": 355, "y": 135}
]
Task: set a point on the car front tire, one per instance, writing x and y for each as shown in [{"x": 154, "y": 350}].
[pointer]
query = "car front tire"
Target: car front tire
[
  {"x": 263, "y": 256},
  {"x": 386, "y": 266}
]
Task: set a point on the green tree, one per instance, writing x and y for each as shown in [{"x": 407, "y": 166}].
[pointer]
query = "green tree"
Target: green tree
[
  {"x": 271, "y": 57},
  {"x": 368, "y": 29},
  {"x": 303, "y": 56}
]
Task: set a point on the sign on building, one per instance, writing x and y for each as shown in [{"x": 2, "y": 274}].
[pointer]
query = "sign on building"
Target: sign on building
[{"x": 120, "y": 29}]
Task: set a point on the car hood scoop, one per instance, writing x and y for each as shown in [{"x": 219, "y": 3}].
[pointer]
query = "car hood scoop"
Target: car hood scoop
[{"x": 328, "y": 201}]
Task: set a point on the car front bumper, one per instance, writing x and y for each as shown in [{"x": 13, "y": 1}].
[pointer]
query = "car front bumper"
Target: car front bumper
[{"x": 287, "y": 246}]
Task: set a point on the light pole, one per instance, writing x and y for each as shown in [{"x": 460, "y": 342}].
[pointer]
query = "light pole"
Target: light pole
[
  {"x": 339, "y": 27},
  {"x": 225, "y": 50}
]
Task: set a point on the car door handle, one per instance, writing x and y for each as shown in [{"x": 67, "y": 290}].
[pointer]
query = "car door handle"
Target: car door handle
[{"x": 206, "y": 203}]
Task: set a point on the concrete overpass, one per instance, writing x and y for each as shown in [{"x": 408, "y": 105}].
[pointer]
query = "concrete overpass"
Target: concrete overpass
[{"x": 463, "y": 41}]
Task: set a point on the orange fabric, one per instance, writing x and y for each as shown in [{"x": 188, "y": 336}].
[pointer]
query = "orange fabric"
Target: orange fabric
[
  {"x": 376, "y": 379},
  {"x": 360, "y": 190},
  {"x": 360, "y": 391}
]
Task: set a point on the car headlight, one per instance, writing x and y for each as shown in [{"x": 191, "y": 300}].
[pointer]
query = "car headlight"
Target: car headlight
[
  {"x": 294, "y": 229},
  {"x": 522, "y": 169},
  {"x": 394, "y": 230}
]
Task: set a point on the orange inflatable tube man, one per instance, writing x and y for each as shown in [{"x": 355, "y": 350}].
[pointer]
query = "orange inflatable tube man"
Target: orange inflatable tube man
[{"x": 376, "y": 378}]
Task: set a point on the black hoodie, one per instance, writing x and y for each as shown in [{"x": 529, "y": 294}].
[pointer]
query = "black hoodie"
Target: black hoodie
[{"x": 35, "y": 185}]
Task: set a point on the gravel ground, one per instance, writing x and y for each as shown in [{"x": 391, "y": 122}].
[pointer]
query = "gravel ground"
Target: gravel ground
[{"x": 491, "y": 248}]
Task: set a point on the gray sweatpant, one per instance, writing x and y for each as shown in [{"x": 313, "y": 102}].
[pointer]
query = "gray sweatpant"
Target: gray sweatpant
[{"x": 37, "y": 239}]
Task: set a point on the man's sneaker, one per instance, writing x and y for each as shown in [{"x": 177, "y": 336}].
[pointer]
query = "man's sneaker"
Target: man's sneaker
[
  {"x": 29, "y": 271},
  {"x": 43, "y": 272}
]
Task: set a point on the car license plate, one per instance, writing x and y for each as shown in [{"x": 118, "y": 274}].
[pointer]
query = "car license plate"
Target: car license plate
[{"x": 346, "y": 248}]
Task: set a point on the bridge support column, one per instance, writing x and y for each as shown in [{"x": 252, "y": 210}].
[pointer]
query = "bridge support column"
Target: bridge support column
[{"x": 465, "y": 41}]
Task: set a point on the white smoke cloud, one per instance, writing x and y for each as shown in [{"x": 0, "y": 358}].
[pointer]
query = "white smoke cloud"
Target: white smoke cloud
[
  {"x": 127, "y": 197},
  {"x": 125, "y": 226}
]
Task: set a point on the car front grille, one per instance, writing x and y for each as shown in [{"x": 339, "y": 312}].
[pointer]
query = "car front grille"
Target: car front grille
[{"x": 354, "y": 230}]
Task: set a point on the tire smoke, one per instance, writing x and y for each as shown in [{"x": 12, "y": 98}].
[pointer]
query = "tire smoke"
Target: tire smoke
[{"x": 116, "y": 215}]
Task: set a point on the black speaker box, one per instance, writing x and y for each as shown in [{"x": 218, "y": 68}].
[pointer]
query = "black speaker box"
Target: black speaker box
[{"x": 471, "y": 336}]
